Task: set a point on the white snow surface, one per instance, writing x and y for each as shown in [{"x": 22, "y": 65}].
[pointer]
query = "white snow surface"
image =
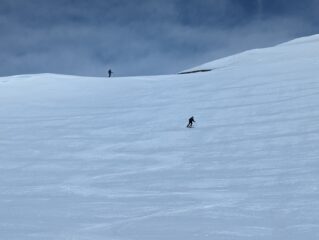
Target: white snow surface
[{"x": 110, "y": 158}]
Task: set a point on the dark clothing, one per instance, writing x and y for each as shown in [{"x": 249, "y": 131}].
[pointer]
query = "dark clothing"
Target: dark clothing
[
  {"x": 190, "y": 122},
  {"x": 110, "y": 73}
]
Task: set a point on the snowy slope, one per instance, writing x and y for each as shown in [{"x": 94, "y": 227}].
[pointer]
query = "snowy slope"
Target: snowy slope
[{"x": 94, "y": 158}]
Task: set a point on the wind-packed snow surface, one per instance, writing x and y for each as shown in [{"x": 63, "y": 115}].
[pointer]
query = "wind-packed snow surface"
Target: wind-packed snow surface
[{"x": 96, "y": 158}]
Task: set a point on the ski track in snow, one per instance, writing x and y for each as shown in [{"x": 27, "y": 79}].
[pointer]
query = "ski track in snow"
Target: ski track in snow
[{"x": 93, "y": 158}]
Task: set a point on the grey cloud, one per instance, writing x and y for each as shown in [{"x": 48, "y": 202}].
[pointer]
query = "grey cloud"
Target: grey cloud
[{"x": 141, "y": 37}]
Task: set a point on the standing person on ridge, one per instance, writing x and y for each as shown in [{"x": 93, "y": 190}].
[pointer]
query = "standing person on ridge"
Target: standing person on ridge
[
  {"x": 190, "y": 122},
  {"x": 110, "y": 73}
]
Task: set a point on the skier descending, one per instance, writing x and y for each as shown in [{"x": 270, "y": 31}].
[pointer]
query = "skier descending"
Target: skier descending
[
  {"x": 190, "y": 122},
  {"x": 110, "y": 73}
]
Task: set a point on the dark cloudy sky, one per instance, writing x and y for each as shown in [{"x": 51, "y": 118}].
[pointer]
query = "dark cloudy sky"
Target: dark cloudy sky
[{"x": 141, "y": 37}]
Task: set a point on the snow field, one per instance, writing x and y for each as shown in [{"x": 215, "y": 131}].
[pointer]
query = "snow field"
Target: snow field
[{"x": 95, "y": 158}]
